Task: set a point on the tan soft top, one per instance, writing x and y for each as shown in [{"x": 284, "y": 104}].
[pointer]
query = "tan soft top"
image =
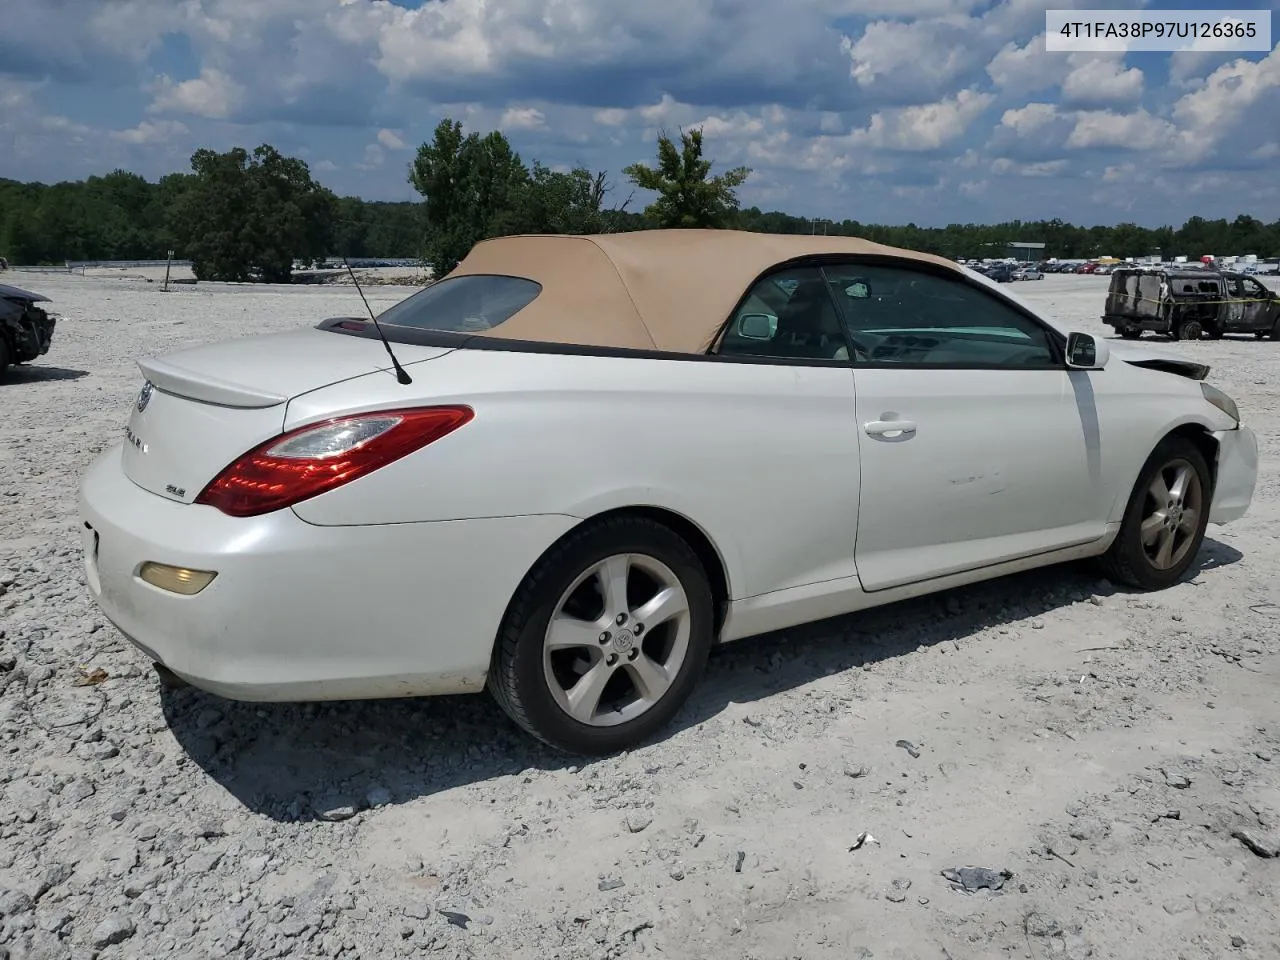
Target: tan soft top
[{"x": 668, "y": 290}]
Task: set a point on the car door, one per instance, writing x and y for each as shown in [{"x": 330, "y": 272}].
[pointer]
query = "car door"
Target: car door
[
  {"x": 1260, "y": 308},
  {"x": 795, "y": 514},
  {"x": 977, "y": 445}
]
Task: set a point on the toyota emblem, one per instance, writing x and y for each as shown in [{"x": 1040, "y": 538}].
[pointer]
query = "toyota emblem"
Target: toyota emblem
[{"x": 145, "y": 396}]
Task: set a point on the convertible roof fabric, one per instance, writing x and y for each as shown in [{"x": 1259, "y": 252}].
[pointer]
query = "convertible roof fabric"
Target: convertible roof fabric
[{"x": 667, "y": 290}]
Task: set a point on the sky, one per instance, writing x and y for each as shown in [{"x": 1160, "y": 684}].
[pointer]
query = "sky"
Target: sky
[{"x": 883, "y": 111}]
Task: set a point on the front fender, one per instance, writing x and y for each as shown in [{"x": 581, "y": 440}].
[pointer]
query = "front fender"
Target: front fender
[{"x": 1210, "y": 426}]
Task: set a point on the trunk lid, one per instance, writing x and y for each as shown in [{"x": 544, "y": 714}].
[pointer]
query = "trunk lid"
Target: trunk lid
[{"x": 203, "y": 407}]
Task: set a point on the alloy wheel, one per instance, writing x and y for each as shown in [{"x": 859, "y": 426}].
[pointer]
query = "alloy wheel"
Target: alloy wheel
[
  {"x": 1171, "y": 518},
  {"x": 617, "y": 639}
]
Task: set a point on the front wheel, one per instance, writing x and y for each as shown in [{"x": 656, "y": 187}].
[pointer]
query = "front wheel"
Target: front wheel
[
  {"x": 1275, "y": 331},
  {"x": 605, "y": 638},
  {"x": 1165, "y": 520}
]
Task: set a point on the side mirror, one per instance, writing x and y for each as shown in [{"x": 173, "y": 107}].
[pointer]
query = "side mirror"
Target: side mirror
[
  {"x": 1086, "y": 352},
  {"x": 757, "y": 326}
]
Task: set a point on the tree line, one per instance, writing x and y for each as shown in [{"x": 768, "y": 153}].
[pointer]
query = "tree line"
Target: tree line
[{"x": 250, "y": 215}]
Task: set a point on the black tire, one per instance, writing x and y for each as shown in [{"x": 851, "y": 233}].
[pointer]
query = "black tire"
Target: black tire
[
  {"x": 4, "y": 357},
  {"x": 1190, "y": 330},
  {"x": 1127, "y": 561},
  {"x": 1214, "y": 331},
  {"x": 1131, "y": 333},
  {"x": 517, "y": 678},
  {"x": 1275, "y": 331}
]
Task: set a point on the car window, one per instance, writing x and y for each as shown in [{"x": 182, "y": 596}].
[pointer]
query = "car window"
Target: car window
[
  {"x": 788, "y": 315},
  {"x": 1254, "y": 290},
  {"x": 904, "y": 315},
  {"x": 468, "y": 304},
  {"x": 1235, "y": 287}
]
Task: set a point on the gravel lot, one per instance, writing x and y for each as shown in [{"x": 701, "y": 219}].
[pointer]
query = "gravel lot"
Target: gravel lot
[{"x": 1119, "y": 754}]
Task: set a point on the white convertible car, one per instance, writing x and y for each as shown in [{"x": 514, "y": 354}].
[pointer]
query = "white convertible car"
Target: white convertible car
[{"x": 575, "y": 463}]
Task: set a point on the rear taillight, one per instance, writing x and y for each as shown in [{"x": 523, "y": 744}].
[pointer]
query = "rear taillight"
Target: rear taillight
[{"x": 308, "y": 461}]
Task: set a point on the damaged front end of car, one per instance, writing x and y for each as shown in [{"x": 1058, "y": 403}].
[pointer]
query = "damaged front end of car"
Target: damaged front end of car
[{"x": 26, "y": 330}]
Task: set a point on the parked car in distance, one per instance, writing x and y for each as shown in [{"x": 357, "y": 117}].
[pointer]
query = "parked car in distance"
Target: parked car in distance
[
  {"x": 1003, "y": 272},
  {"x": 26, "y": 330},
  {"x": 575, "y": 463},
  {"x": 1187, "y": 303},
  {"x": 1029, "y": 273}
]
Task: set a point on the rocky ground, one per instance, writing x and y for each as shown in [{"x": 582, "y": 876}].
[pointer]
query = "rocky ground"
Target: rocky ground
[{"x": 1111, "y": 759}]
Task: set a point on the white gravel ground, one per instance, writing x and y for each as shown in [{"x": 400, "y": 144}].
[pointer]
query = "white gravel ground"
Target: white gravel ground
[{"x": 1108, "y": 749}]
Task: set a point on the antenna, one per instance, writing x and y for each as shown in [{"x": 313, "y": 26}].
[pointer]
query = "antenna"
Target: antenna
[{"x": 401, "y": 375}]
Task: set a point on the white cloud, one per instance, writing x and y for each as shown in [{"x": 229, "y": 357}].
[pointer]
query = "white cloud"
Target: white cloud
[
  {"x": 1027, "y": 69},
  {"x": 1003, "y": 166},
  {"x": 522, "y": 118},
  {"x": 1120, "y": 172},
  {"x": 1102, "y": 80},
  {"x": 161, "y": 131},
  {"x": 923, "y": 55},
  {"x": 1103, "y": 129},
  {"x": 213, "y": 94},
  {"x": 1031, "y": 119},
  {"x": 926, "y": 127},
  {"x": 612, "y": 116},
  {"x": 391, "y": 140},
  {"x": 1231, "y": 92}
]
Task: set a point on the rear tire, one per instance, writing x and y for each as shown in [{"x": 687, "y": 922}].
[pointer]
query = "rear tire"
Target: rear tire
[
  {"x": 598, "y": 683},
  {"x": 1190, "y": 330},
  {"x": 1169, "y": 505},
  {"x": 1131, "y": 333},
  {"x": 1275, "y": 331},
  {"x": 4, "y": 357}
]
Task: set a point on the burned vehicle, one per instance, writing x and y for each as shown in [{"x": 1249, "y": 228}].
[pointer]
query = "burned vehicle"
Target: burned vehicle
[
  {"x": 1189, "y": 303},
  {"x": 26, "y": 330}
]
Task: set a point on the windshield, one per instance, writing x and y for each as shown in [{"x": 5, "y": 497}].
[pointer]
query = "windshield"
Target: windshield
[{"x": 468, "y": 304}]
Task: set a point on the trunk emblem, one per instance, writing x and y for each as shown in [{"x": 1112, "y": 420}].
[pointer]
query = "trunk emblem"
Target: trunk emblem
[{"x": 145, "y": 396}]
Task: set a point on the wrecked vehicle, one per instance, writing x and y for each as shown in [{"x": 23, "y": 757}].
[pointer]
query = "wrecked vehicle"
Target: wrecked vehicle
[
  {"x": 26, "y": 330},
  {"x": 1188, "y": 303}
]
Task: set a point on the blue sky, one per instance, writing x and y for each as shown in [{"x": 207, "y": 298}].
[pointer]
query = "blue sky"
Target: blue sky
[{"x": 885, "y": 111}]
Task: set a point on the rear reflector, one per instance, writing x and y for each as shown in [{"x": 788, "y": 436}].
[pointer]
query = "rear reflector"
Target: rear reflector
[
  {"x": 311, "y": 460},
  {"x": 176, "y": 579}
]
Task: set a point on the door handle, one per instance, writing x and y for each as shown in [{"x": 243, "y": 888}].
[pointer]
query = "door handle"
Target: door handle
[{"x": 890, "y": 429}]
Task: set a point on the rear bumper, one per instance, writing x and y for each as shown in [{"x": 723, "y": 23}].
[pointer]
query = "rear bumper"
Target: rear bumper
[
  {"x": 1237, "y": 474},
  {"x": 304, "y": 612}
]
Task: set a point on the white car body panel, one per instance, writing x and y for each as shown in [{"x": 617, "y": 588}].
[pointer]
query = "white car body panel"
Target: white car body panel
[
  {"x": 1001, "y": 465},
  {"x": 582, "y": 435},
  {"x": 300, "y": 611},
  {"x": 395, "y": 584}
]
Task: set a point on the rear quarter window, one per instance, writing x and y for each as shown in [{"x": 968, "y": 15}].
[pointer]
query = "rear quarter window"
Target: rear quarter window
[{"x": 468, "y": 304}]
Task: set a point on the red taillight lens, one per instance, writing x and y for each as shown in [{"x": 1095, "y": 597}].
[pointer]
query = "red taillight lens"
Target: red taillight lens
[{"x": 308, "y": 461}]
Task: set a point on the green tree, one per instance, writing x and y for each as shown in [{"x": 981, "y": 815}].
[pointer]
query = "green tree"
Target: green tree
[
  {"x": 687, "y": 195},
  {"x": 573, "y": 202},
  {"x": 248, "y": 216},
  {"x": 472, "y": 188}
]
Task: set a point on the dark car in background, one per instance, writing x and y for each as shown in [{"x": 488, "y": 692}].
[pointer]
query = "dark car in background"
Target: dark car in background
[
  {"x": 26, "y": 330},
  {"x": 1188, "y": 303}
]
